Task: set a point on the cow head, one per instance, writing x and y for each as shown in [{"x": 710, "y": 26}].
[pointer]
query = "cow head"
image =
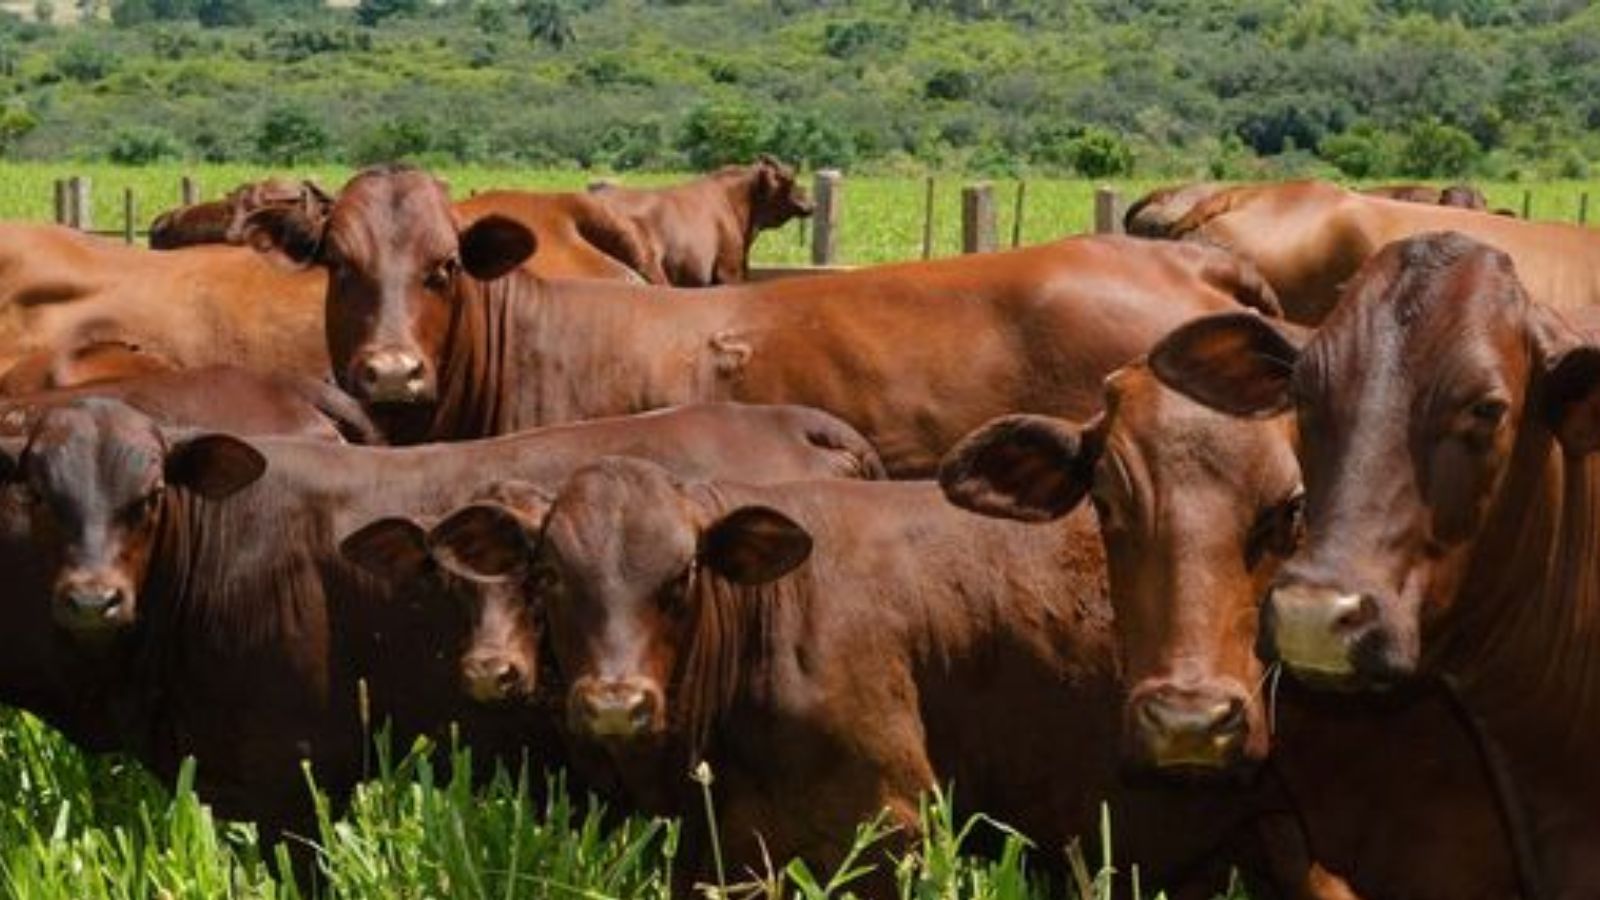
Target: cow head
[
  {"x": 1433, "y": 374},
  {"x": 306, "y": 198},
  {"x": 622, "y": 556},
  {"x": 1464, "y": 196},
  {"x": 474, "y": 559},
  {"x": 397, "y": 259},
  {"x": 776, "y": 196},
  {"x": 92, "y": 481},
  {"x": 1196, "y": 511}
]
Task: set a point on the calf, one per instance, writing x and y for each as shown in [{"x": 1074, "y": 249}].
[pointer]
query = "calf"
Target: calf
[
  {"x": 224, "y": 559},
  {"x": 1196, "y": 511},
  {"x": 435, "y": 329},
  {"x": 834, "y": 650},
  {"x": 700, "y": 234}
]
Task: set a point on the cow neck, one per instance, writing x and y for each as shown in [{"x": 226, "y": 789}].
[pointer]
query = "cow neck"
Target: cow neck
[
  {"x": 477, "y": 372},
  {"x": 739, "y": 191},
  {"x": 1523, "y": 642}
]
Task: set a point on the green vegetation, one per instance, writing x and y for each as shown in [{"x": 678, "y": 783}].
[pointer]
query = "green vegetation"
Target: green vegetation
[
  {"x": 99, "y": 828},
  {"x": 1504, "y": 89}
]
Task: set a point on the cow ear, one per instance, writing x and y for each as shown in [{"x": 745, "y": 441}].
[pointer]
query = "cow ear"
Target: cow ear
[
  {"x": 1572, "y": 399},
  {"x": 395, "y": 548},
  {"x": 484, "y": 542},
  {"x": 494, "y": 245},
  {"x": 1237, "y": 363},
  {"x": 1030, "y": 468},
  {"x": 214, "y": 466},
  {"x": 754, "y": 545},
  {"x": 290, "y": 233}
]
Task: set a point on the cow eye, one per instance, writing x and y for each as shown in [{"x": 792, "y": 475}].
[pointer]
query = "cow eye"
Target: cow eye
[
  {"x": 1488, "y": 412},
  {"x": 442, "y": 274},
  {"x": 1277, "y": 531},
  {"x": 145, "y": 506},
  {"x": 674, "y": 596}
]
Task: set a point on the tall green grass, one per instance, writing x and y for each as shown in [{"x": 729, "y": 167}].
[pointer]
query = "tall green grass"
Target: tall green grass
[
  {"x": 882, "y": 217},
  {"x": 80, "y": 827}
]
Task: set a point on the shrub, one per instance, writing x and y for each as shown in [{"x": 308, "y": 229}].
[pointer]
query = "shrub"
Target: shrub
[
  {"x": 84, "y": 59},
  {"x": 288, "y": 136},
  {"x": 1359, "y": 153},
  {"x": 845, "y": 39},
  {"x": 142, "y": 145},
  {"x": 719, "y": 133},
  {"x": 950, "y": 84},
  {"x": 1433, "y": 149}
]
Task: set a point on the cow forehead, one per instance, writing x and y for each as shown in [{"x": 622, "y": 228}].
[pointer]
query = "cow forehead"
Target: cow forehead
[
  {"x": 621, "y": 521},
  {"x": 407, "y": 212},
  {"x": 101, "y": 449}
]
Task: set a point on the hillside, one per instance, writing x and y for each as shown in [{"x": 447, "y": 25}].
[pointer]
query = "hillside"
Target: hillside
[{"x": 1149, "y": 87}]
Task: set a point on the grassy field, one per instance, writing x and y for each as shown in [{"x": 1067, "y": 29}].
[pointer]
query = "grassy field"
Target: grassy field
[{"x": 882, "y": 217}]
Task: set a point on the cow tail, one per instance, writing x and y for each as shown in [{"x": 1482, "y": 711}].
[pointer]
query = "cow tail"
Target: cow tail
[{"x": 342, "y": 410}]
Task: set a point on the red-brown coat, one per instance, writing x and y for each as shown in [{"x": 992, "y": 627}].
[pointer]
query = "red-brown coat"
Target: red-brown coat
[
  {"x": 699, "y": 234},
  {"x": 1309, "y": 239},
  {"x": 1452, "y": 501},
  {"x": 172, "y": 593},
  {"x": 834, "y": 650},
  {"x": 1197, "y": 510},
  {"x": 439, "y": 333},
  {"x": 221, "y": 221}
]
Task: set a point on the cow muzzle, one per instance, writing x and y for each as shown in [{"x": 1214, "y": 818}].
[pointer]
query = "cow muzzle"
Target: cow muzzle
[
  {"x": 1202, "y": 728},
  {"x": 495, "y": 678},
  {"x": 623, "y": 709},
  {"x": 1315, "y": 630},
  {"x": 93, "y": 603},
  {"x": 393, "y": 376}
]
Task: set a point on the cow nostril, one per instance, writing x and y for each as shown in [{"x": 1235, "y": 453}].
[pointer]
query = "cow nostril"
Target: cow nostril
[
  {"x": 1229, "y": 718},
  {"x": 415, "y": 370},
  {"x": 1355, "y": 612},
  {"x": 508, "y": 677},
  {"x": 369, "y": 374}
]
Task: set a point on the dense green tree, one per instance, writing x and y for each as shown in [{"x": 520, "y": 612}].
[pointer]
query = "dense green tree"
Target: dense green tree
[
  {"x": 549, "y": 23},
  {"x": 289, "y": 135},
  {"x": 1433, "y": 149}
]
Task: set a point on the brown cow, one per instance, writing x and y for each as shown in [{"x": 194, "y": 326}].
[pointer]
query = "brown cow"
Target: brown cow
[
  {"x": 1309, "y": 238},
  {"x": 1464, "y": 196},
  {"x": 701, "y": 233},
  {"x": 1196, "y": 511},
  {"x": 443, "y": 338},
  {"x": 578, "y": 235},
  {"x": 224, "y": 398},
  {"x": 833, "y": 650},
  {"x": 221, "y": 221},
  {"x": 1448, "y": 438},
  {"x": 229, "y": 549},
  {"x": 1154, "y": 214}
]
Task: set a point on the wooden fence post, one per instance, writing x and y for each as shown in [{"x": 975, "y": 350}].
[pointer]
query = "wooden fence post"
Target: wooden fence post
[
  {"x": 977, "y": 218},
  {"x": 1527, "y": 203},
  {"x": 1107, "y": 211},
  {"x": 61, "y": 201},
  {"x": 1016, "y": 217},
  {"x": 825, "y": 219},
  {"x": 188, "y": 195},
  {"x": 600, "y": 184},
  {"x": 927, "y": 219},
  {"x": 1583, "y": 208},
  {"x": 79, "y": 206},
  {"x": 127, "y": 215}
]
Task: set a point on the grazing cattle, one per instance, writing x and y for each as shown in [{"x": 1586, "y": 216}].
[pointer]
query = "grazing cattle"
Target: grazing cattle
[
  {"x": 224, "y": 398},
  {"x": 1309, "y": 238},
  {"x": 1448, "y": 438},
  {"x": 443, "y": 338},
  {"x": 834, "y": 650},
  {"x": 578, "y": 235},
  {"x": 1464, "y": 196},
  {"x": 1196, "y": 510},
  {"x": 195, "y": 577},
  {"x": 221, "y": 221},
  {"x": 700, "y": 234}
]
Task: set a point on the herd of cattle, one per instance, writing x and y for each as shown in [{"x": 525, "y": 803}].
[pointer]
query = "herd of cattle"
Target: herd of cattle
[{"x": 1342, "y": 437}]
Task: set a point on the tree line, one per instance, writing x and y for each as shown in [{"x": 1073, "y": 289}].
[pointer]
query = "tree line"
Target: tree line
[{"x": 1096, "y": 88}]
